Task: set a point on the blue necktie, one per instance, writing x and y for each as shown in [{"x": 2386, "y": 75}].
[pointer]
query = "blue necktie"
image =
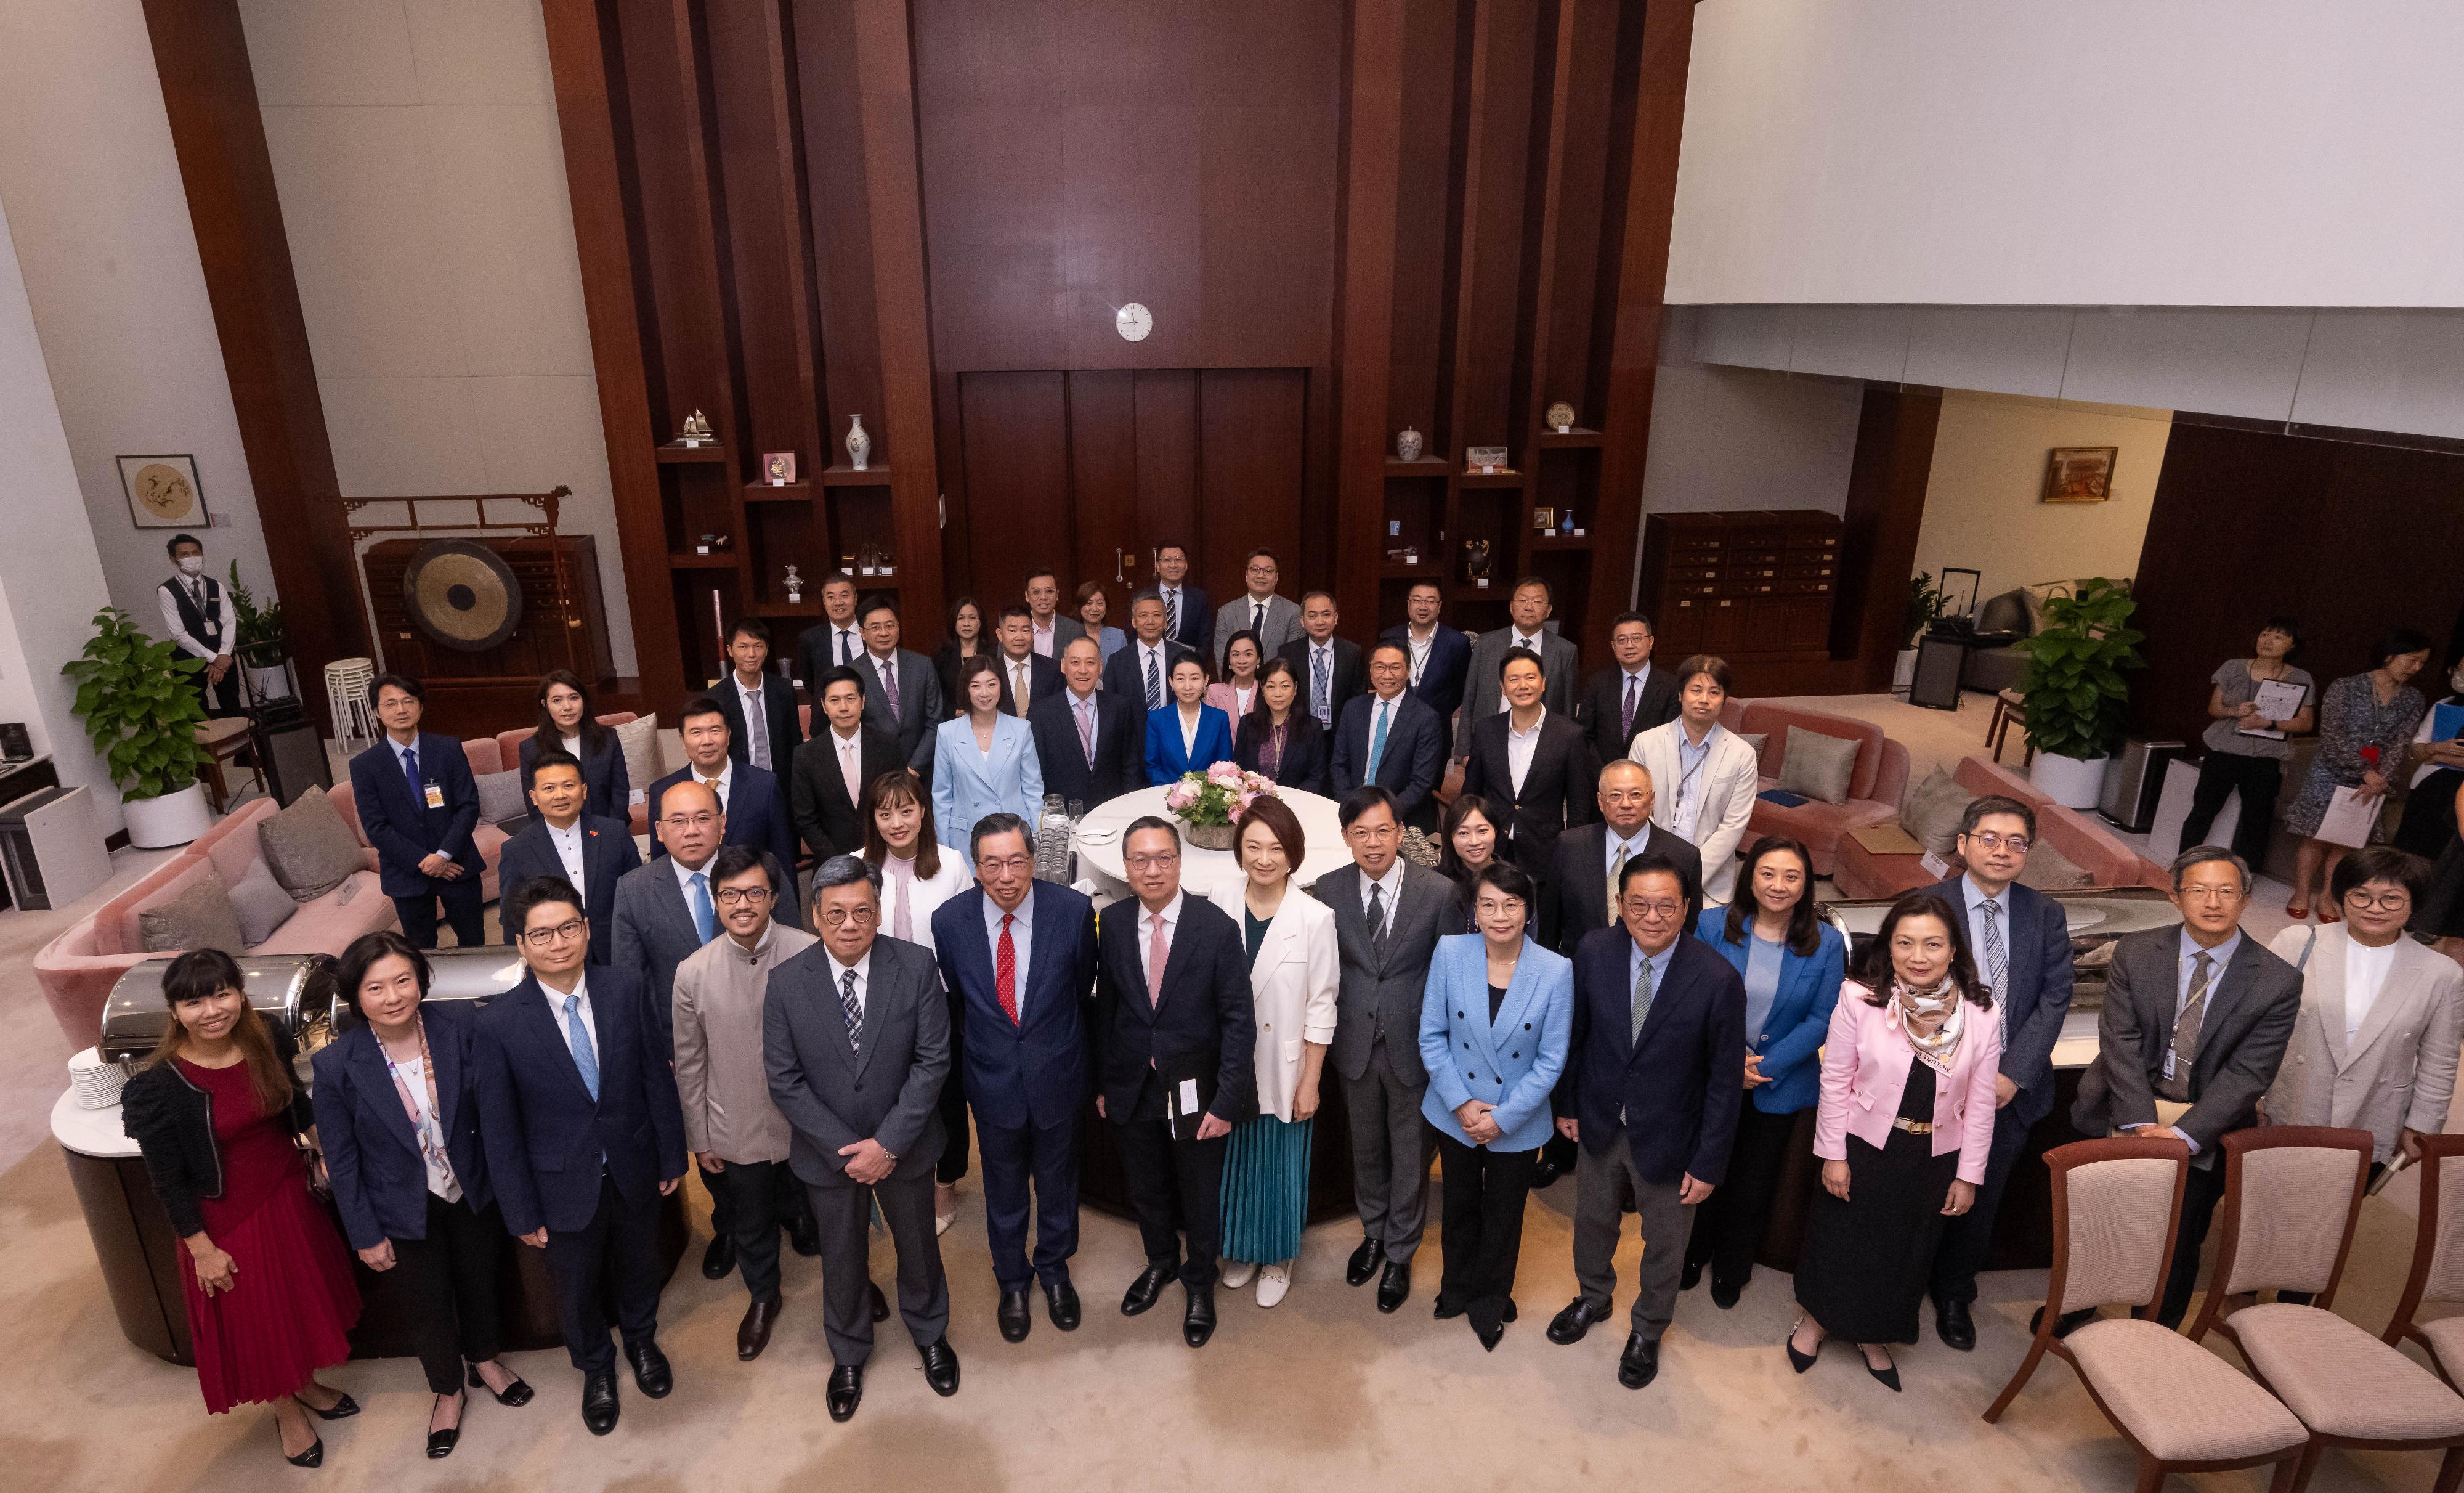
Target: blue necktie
[
  {"x": 410, "y": 772},
  {"x": 705, "y": 916},
  {"x": 578, "y": 1038},
  {"x": 1377, "y": 742},
  {"x": 1155, "y": 685}
]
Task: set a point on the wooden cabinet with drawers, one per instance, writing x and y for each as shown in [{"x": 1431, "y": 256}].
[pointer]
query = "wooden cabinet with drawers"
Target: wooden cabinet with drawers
[{"x": 1750, "y": 585}]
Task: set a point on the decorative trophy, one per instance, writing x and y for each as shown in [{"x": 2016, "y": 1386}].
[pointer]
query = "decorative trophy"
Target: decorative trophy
[
  {"x": 695, "y": 431},
  {"x": 859, "y": 445},
  {"x": 795, "y": 585}
]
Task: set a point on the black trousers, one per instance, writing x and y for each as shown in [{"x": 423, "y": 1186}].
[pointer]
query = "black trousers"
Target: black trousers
[
  {"x": 611, "y": 1263},
  {"x": 2220, "y": 772},
  {"x": 447, "y": 1282},
  {"x": 1031, "y": 1170},
  {"x": 463, "y": 901},
  {"x": 2200, "y": 1194},
  {"x": 844, "y": 1212},
  {"x": 1177, "y": 1188},
  {"x": 757, "y": 1193},
  {"x": 1967, "y": 1240},
  {"x": 789, "y": 1208},
  {"x": 1728, "y": 1227},
  {"x": 218, "y": 699},
  {"x": 1481, "y": 1229}
]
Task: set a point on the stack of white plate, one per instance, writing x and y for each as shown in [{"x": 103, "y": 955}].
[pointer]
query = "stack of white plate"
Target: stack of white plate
[{"x": 95, "y": 1080}]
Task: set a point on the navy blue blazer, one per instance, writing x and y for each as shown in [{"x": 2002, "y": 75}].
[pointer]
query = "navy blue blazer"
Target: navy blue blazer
[
  {"x": 1441, "y": 683},
  {"x": 545, "y": 1136},
  {"x": 1121, "y": 676},
  {"x": 779, "y": 718},
  {"x": 1675, "y": 1093},
  {"x": 398, "y": 822},
  {"x": 757, "y": 811},
  {"x": 1791, "y": 1040},
  {"x": 1413, "y": 761},
  {"x": 2039, "y": 998},
  {"x": 371, "y": 1152},
  {"x": 1197, "y": 629},
  {"x": 608, "y": 853},
  {"x": 1166, "y": 761},
  {"x": 1033, "y": 1071},
  {"x": 1120, "y": 765},
  {"x": 609, "y": 788}
]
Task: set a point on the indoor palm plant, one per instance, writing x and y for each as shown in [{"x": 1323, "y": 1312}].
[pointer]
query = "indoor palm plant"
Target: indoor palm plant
[
  {"x": 262, "y": 646},
  {"x": 139, "y": 701},
  {"x": 2076, "y": 699},
  {"x": 1924, "y": 604}
]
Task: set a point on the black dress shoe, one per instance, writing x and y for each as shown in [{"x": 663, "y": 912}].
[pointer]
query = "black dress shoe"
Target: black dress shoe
[
  {"x": 1691, "y": 1277},
  {"x": 1364, "y": 1262},
  {"x": 1489, "y": 1334},
  {"x": 880, "y": 1303},
  {"x": 2064, "y": 1325},
  {"x": 1544, "y": 1173},
  {"x": 1061, "y": 1305},
  {"x": 1639, "y": 1363},
  {"x": 753, "y": 1333},
  {"x": 1952, "y": 1323},
  {"x": 1144, "y": 1290},
  {"x": 651, "y": 1370},
  {"x": 720, "y": 1259},
  {"x": 941, "y": 1363},
  {"x": 1569, "y": 1325},
  {"x": 846, "y": 1390},
  {"x": 599, "y": 1401},
  {"x": 1723, "y": 1295},
  {"x": 1395, "y": 1285},
  {"x": 515, "y": 1395},
  {"x": 1198, "y": 1323},
  {"x": 805, "y": 1237},
  {"x": 440, "y": 1443},
  {"x": 343, "y": 1408},
  {"x": 1014, "y": 1316}
]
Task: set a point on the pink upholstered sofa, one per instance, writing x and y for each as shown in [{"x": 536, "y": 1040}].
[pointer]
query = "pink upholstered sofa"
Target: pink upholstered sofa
[
  {"x": 1860, "y": 872},
  {"x": 1874, "y": 788}
]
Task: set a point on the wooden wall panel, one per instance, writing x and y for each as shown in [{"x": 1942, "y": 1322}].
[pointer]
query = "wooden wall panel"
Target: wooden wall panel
[
  {"x": 1423, "y": 59},
  {"x": 836, "y": 188},
  {"x": 1170, "y": 442},
  {"x": 767, "y": 268},
  {"x": 1250, "y": 430},
  {"x": 1016, "y": 430},
  {"x": 1887, "y": 478}
]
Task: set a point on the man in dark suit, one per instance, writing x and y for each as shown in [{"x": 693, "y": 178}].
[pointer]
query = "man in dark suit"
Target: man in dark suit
[
  {"x": 584, "y": 1136},
  {"x": 1019, "y": 663},
  {"x": 1175, "y": 1064},
  {"x": 2193, "y": 1027},
  {"x": 855, "y": 1033},
  {"x": 1388, "y": 737},
  {"x": 1388, "y": 917},
  {"x": 754, "y": 802},
  {"x": 1577, "y": 896},
  {"x": 1273, "y": 619},
  {"x": 1189, "y": 616},
  {"x": 1534, "y": 764},
  {"x": 1440, "y": 656},
  {"x": 1142, "y": 671},
  {"x": 418, "y": 806},
  {"x": 835, "y": 769},
  {"x": 1331, "y": 669},
  {"x": 838, "y": 637},
  {"x": 1530, "y": 607},
  {"x": 1630, "y": 697},
  {"x": 1019, "y": 956},
  {"x": 591, "y": 855},
  {"x": 1651, "y": 1094},
  {"x": 1090, "y": 745},
  {"x": 762, "y": 722},
  {"x": 902, "y": 693},
  {"x": 2021, "y": 943}
]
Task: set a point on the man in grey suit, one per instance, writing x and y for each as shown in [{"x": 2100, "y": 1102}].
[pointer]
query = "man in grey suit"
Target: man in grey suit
[
  {"x": 2194, "y": 1026},
  {"x": 855, "y": 1033},
  {"x": 1388, "y": 915},
  {"x": 1275, "y": 619},
  {"x": 1530, "y": 607},
  {"x": 902, "y": 695}
]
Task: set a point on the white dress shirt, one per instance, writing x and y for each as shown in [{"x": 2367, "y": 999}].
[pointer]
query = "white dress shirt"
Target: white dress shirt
[
  {"x": 1020, "y": 672},
  {"x": 1627, "y": 848},
  {"x": 1520, "y": 746},
  {"x": 684, "y": 875},
  {"x": 1042, "y": 635},
  {"x": 1146, "y": 931},
  {"x": 863, "y": 978},
  {"x": 556, "y": 1012},
  {"x": 847, "y": 644},
  {"x": 2365, "y": 972},
  {"x": 719, "y": 785},
  {"x": 1022, "y": 938},
  {"x": 177, "y": 630},
  {"x": 1162, "y": 656},
  {"x": 568, "y": 849},
  {"x": 1515, "y": 638},
  {"x": 1391, "y": 885},
  {"x": 756, "y": 721}
]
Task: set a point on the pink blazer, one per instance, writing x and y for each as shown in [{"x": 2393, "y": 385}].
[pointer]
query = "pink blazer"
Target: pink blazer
[
  {"x": 1219, "y": 695},
  {"x": 1865, "y": 1063}
]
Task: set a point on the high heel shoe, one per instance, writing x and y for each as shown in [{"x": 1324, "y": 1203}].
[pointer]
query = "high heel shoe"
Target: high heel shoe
[
  {"x": 1889, "y": 1377},
  {"x": 314, "y": 1457},
  {"x": 343, "y": 1408},
  {"x": 513, "y": 1395},
  {"x": 1800, "y": 1362},
  {"x": 440, "y": 1443}
]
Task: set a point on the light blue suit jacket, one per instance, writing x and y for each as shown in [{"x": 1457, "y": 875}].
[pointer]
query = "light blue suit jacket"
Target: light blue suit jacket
[
  {"x": 967, "y": 784},
  {"x": 1512, "y": 1063},
  {"x": 1166, "y": 761},
  {"x": 1791, "y": 1040}
]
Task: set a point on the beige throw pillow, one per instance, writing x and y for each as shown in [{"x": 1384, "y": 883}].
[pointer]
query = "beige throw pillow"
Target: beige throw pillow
[
  {"x": 1818, "y": 765},
  {"x": 309, "y": 847},
  {"x": 2049, "y": 870},
  {"x": 639, "y": 739},
  {"x": 1932, "y": 810}
]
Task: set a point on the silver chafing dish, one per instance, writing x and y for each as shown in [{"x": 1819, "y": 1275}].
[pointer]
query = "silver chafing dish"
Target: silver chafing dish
[
  {"x": 479, "y": 975},
  {"x": 2097, "y": 917}
]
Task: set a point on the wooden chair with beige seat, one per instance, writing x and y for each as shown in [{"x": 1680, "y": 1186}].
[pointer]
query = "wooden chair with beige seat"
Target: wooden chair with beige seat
[
  {"x": 2293, "y": 1195},
  {"x": 2117, "y": 1205},
  {"x": 2437, "y": 1259}
]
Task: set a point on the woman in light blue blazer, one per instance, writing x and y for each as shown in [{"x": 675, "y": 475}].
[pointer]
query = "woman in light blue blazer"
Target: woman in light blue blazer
[
  {"x": 1792, "y": 961},
  {"x": 1186, "y": 735},
  {"x": 1495, "y": 1024},
  {"x": 984, "y": 761}
]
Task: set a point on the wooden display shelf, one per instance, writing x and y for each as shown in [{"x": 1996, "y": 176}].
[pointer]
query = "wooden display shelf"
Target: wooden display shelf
[
  {"x": 1491, "y": 480},
  {"x": 1426, "y": 466},
  {"x": 1577, "y": 542},
  {"x": 1391, "y": 572},
  {"x": 811, "y": 608},
  {"x": 850, "y": 477},
  {"x": 713, "y": 452},
  {"x": 723, "y": 560},
  {"x": 1466, "y": 590},
  {"x": 1569, "y": 440},
  {"x": 778, "y": 492}
]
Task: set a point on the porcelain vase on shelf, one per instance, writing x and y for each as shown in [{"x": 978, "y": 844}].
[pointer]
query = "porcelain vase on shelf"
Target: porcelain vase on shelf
[
  {"x": 2072, "y": 782},
  {"x": 859, "y": 445},
  {"x": 173, "y": 820},
  {"x": 1409, "y": 445},
  {"x": 1904, "y": 673}
]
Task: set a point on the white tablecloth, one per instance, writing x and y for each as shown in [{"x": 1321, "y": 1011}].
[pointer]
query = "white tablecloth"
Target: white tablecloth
[{"x": 1202, "y": 871}]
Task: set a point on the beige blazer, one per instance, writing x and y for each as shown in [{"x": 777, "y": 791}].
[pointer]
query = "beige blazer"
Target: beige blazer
[
  {"x": 722, "y": 1078},
  {"x": 1732, "y": 777},
  {"x": 2399, "y": 1072},
  {"x": 1292, "y": 986}
]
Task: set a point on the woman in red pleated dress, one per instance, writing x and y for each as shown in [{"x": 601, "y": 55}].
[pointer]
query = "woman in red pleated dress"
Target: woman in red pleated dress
[{"x": 221, "y": 1125}]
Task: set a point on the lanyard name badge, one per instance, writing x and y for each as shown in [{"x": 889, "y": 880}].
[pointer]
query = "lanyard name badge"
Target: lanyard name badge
[{"x": 436, "y": 797}]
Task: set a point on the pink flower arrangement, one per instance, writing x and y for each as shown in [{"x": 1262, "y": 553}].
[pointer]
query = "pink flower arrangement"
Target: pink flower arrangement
[{"x": 1219, "y": 795}]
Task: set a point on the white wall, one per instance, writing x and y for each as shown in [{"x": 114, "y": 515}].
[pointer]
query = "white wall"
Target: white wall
[
  {"x": 1725, "y": 439},
  {"x": 416, "y": 152},
  {"x": 2029, "y": 152}
]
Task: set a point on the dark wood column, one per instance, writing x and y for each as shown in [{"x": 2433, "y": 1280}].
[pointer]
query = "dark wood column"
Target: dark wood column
[{"x": 1877, "y": 549}]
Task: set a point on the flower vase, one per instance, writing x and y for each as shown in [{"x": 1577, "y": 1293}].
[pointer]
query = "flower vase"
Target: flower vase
[{"x": 859, "y": 445}]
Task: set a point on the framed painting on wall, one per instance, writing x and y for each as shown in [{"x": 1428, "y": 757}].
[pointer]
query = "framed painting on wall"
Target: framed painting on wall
[
  {"x": 2078, "y": 474},
  {"x": 163, "y": 492}
]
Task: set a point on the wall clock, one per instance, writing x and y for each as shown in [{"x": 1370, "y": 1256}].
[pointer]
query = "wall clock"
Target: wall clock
[{"x": 1134, "y": 322}]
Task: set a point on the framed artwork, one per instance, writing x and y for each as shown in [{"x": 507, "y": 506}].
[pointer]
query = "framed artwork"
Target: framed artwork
[
  {"x": 163, "y": 492},
  {"x": 2078, "y": 474}
]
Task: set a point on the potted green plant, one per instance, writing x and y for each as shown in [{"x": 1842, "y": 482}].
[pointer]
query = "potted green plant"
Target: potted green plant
[
  {"x": 1924, "y": 604},
  {"x": 262, "y": 647},
  {"x": 2076, "y": 698},
  {"x": 137, "y": 699}
]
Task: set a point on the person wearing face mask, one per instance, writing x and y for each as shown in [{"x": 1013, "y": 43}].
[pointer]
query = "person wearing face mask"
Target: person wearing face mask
[
  {"x": 198, "y": 616},
  {"x": 1905, "y": 1128},
  {"x": 2246, "y": 749}
]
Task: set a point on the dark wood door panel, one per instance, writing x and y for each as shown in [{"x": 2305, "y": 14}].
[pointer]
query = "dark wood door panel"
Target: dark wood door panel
[
  {"x": 1252, "y": 428},
  {"x": 1015, "y": 432}
]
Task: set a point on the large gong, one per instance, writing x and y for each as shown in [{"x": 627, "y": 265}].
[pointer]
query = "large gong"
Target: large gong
[{"x": 462, "y": 594}]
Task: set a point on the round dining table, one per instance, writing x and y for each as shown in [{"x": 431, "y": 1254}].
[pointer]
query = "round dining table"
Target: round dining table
[{"x": 1203, "y": 871}]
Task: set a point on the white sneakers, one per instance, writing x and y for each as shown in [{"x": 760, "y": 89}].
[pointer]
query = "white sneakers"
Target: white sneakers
[
  {"x": 1273, "y": 1280},
  {"x": 1237, "y": 1273}
]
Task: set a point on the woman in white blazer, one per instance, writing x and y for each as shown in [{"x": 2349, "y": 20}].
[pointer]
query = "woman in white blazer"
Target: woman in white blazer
[
  {"x": 2382, "y": 1017},
  {"x": 1294, "y": 969},
  {"x": 1702, "y": 775},
  {"x": 917, "y": 876},
  {"x": 984, "y": 761}
]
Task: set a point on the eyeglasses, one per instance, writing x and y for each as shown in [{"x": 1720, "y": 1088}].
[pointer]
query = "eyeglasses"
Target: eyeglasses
[
  {"x": 1153, "y": 861},
  {"x": 1987, "y": 839},
  {"x": 1002, "y": 863},
  {"x": 859, "y": 917},
  {"x": 742, "y": 896},
  {"x": 2213, "y": 894},
  {"x": 563, "y": 932},
  {"x": 1654, "y": 911},
  {"x": 2380, "y": 901},
  {"x": 690, "y": 821}
]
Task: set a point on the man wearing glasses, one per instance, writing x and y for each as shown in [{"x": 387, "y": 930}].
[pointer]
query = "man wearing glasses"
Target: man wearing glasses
[
  {"x": 583, "y": 1137},
  {"x": 2022, "y": 947}
]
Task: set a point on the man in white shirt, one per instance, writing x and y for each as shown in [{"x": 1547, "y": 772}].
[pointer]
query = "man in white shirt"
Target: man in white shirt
[
  {"x": 845, "y": 755},
  {"x": 1026, "y": 675},
  {"x": 1630, "y": 696},
  {"x": 1391, "y": 738},
  {"x": 198, "y": 616},
  {"x": 760, "y": 706},
  {"x": 1530, "y": 606},
  {"x": 561, "y": 840},
  {"x": 1331, "y": 669},
  {"x": 1044, "y": 614},
  {"x": 839, "y": 640}
]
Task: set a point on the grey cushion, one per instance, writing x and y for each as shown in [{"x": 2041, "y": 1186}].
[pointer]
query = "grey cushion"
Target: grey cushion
[
  {"x": 501, "y": 796},
  {"x": 308, "y": 847},
  {"x": 639, "y": 739},
  {"x": 2049, "y": 870},
  {"x": 261, "y": 904},
  {"x": 1755, "y": 739},
  {"x": 1818, "y": 765},
  {"x": 199, "y": 917},
  {"x": 1931, "y": 814}
]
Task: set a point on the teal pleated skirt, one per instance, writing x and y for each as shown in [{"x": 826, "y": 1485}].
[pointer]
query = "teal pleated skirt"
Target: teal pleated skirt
[{"x": 1265, "y": 1190}]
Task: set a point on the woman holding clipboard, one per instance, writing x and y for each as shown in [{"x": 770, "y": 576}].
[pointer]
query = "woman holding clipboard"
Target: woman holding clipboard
[
  {"x": 2257, "y": 702},
  {"x": 2367, "y": 723}
]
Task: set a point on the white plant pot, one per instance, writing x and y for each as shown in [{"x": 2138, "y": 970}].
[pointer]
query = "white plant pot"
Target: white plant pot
[
  {"x": 1904, "y": 673},
  {"x": 173, "y": 820},
  {"x": 2072, "y": 782}
]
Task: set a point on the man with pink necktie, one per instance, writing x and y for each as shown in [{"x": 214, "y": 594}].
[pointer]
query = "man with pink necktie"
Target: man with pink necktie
[
  {"x": 1092, "y": 745},
  {"x": 835, "y": 766}
]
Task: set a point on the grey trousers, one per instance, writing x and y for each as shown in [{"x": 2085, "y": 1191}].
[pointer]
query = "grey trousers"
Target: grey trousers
[
  {"x": 1604, "y": 1186},
  {"x": 845, "y": 1215},
  {"x": 1391, "y": 1146}
]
